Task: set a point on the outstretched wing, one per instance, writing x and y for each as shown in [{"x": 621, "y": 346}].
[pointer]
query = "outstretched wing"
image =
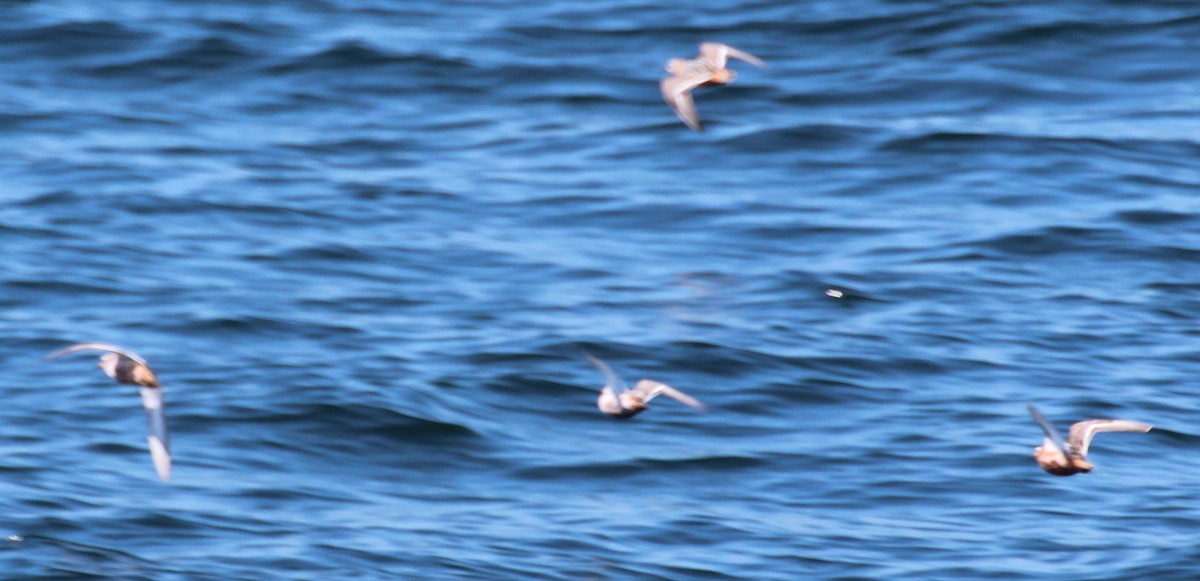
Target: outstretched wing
[
  {"x": 97, "y": 347},
  {"x": 1081, "y": 434},
  {"x": 677, "y": 91},
  {"x": 648, "y": 389},
  {"x": 156, "y": 418},
  {"x": 718, "y": 54},
  {"x": 1051, "y": 433},
  {"x": 611, "y": 379}
]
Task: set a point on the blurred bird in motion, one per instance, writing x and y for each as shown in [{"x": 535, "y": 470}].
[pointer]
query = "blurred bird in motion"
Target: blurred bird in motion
[
  {"x": 706, "y": 69},
  {"x": 617, "y": 400},
  {"x": 126, "y": 367},
  {"x": 1070, "y": 457}
]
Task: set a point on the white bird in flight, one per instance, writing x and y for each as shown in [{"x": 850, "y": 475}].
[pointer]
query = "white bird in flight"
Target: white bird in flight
[
  {"x": 128, "y": 368},
  {"x": 1066, "y": 458},
  {"x": 617, "y": 400},
  {"x": 706, "y": 69}
]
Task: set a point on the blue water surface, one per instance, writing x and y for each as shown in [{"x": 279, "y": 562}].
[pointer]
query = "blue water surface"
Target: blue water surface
[{"x": 363, "y": 243}]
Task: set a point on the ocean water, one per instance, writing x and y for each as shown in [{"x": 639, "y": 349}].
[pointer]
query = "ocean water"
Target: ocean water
[{"x": 363, "y": 243}]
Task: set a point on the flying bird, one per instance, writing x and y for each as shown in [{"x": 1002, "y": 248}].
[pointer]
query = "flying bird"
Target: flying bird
[
  {"x": 1070, "y": 457},
  {"x": 617, "y": 400},
  {"x": 128, "y": 368},
  {"x": 706, "y": 69}
]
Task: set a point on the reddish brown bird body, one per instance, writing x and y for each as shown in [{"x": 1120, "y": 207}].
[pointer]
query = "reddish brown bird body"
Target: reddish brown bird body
[
  {"x": 1058, "y": 463},
  {"x": 127, "y": 371}
]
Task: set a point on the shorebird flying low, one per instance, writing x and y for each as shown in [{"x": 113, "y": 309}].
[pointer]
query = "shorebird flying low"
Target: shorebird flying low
[
  {"x": 706, "y": 69},
  {"x": 128, "y": 368},
  {"x": 1065, "y": 458},
  {"x": 617, "y": 400}
]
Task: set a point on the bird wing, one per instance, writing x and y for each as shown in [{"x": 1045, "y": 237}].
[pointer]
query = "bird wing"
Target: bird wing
[
  {"x": 1051, "y": 433},
  {"x": 718, "y": 54},
  {"x": 648, "y": 389},
  {"x": 677, "y": 91},
  {"x": 1081, "y": 434},
  {"x": 611, "y": 380},
  {"x": 97, "y": 347},
  {"x": 156, "y": 418}
]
